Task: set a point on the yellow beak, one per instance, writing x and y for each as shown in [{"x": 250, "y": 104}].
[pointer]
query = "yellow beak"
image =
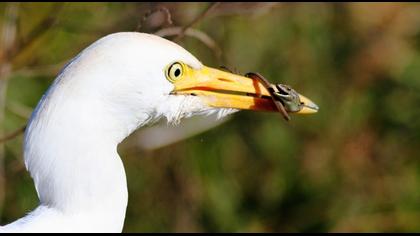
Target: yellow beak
[{"x": 226, "y": 90}]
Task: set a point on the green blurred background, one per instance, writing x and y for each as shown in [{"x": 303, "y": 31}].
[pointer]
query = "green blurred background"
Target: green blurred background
[{"x": 354, "y": 166}]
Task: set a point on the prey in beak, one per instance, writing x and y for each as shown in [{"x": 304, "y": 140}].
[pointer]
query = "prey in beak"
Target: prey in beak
[
  {"x": 223, "y": 89},
  {"x": 285, "y": 98}
]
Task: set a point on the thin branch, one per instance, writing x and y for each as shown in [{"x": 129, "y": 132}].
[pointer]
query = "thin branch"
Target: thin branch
[
  {"x": 196, "y": 20},
  {"x": 13, "y": 134},
  {"x": 19, "y": 109},
  {"x": 247, "y": 8},
  {"x": 42, "y": 27},
  {"x": 46, "y": 70},
  {"x": 7, "y": 41},
  {"x": 200, "y": 35},
  {"x": 151, "y": 20}
]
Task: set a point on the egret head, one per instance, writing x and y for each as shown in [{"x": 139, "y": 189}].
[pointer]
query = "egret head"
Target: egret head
[{"x": 142, "y": 77}]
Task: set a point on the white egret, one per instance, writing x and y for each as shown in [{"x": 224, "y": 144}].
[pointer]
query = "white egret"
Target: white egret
[{"x": 119, "y": 83}]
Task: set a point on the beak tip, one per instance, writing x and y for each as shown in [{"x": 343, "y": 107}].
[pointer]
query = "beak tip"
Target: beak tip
[
  {"x": 309, "y": 107},
  {"x": 312, "y": 106}
]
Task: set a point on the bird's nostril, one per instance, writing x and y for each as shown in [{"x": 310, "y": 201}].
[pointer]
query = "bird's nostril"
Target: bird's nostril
[{"x": 225, "y": 80}]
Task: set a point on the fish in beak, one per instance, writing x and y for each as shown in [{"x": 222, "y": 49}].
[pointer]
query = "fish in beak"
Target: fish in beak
[{"x": 223, "y": 89}]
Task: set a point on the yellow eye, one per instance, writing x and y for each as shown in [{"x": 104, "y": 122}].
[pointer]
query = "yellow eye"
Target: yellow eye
[{"x": 175, "y": 72}]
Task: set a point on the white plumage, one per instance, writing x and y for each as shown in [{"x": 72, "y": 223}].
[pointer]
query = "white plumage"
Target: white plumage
[
  {"x": 119, "y": 83},
  {"x": 106, "y": 92}
]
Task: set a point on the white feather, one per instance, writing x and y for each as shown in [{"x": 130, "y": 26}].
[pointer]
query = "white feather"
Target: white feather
[{"x": 106, "y": 92}]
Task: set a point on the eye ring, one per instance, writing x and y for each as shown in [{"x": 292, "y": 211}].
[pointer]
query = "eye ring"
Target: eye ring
[{"x": 175, "y": 71}]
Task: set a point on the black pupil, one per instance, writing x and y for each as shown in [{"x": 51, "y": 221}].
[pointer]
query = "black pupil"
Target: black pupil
[{"x": 177, "y": 72}]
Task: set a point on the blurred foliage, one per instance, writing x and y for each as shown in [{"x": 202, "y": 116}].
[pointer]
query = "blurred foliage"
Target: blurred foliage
[{"x": 354, "y": 166}]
